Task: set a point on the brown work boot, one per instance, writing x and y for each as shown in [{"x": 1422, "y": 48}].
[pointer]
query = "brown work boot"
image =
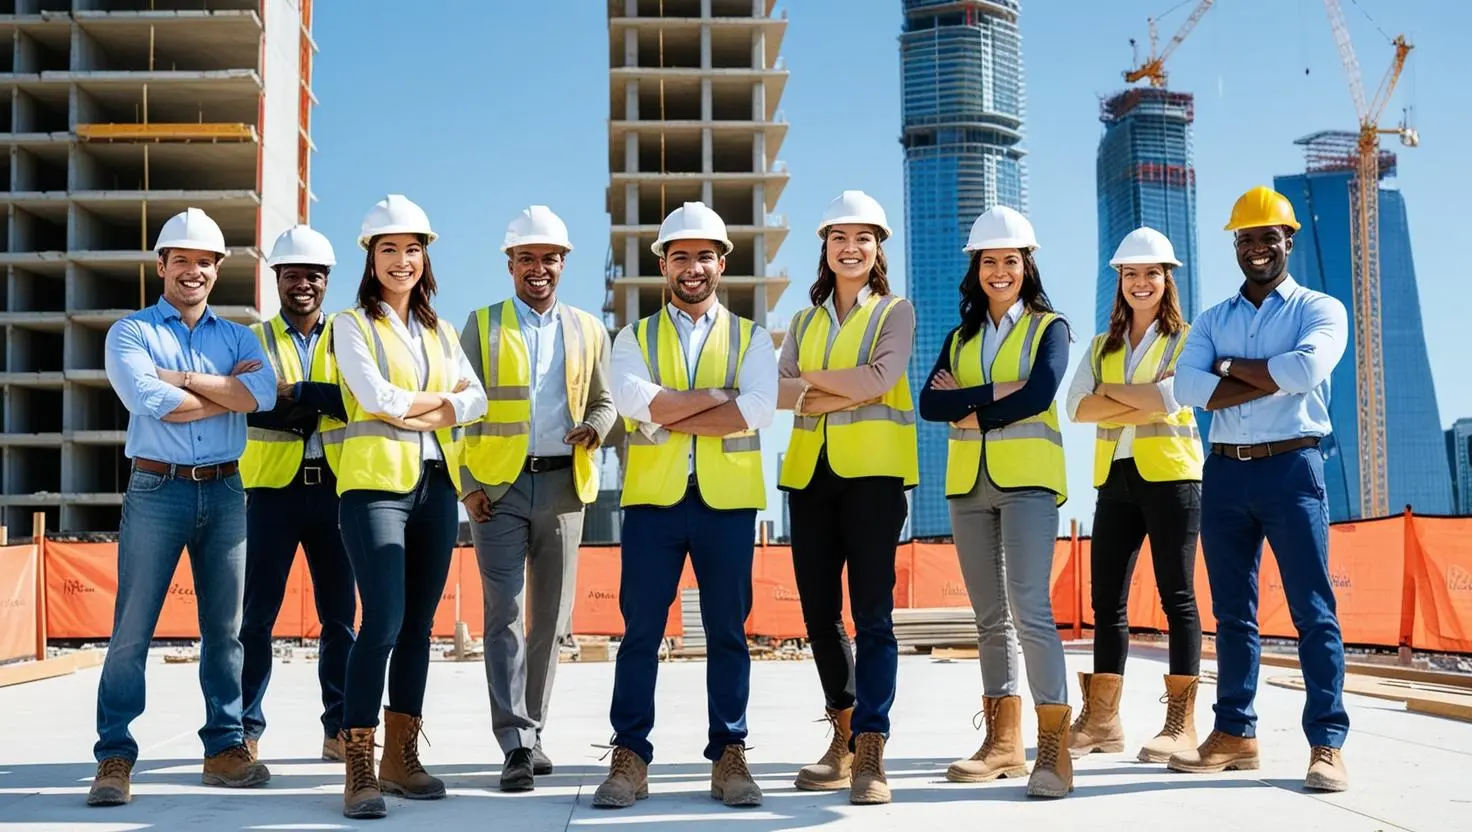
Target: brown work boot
[
  {"x": 730, "y": 779},
  {"x": 1098, "y": 728},
  {"x": 1179, "y": 733},
  {"x": 112, "y": 786},
  {"x": 833, "y": 769},
  {"x": 1220, "y": 752},
  {"x": 399, "y": 770},
  {"x": 332, "y": 749},
  {"x": 234, "y": 768},
  {"x": 628, "y": 781},
  {"x": 361, "y": 796},
  {"x": 1052, "y": 771},
  {"x": 869, "y": 783},
  {"x": 1001, "y": 753},
  {"x": 1326, "y": 772}
]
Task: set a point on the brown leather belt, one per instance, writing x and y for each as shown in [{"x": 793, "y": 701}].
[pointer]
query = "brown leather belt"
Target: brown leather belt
[
  {"x": 1263, "y": 450},
  {"x": 197, "y": 473}
]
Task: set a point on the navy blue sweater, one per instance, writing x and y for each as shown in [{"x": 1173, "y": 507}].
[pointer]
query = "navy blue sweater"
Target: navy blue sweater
[
  {"x": 1036, "y": 394},
  {"x": 314, "y": 399}
]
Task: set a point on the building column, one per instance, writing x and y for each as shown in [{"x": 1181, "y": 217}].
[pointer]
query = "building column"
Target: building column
[
  {"x": 631, "y": 100},
  {"x": 631, "y": 47},
  {"x": 759, "y": 101},
  {"x": 759, "y": 48},
  {"x": 707, "y": 151},
  {"x": 631, "y": 303},
  {"x": 631, "y": 152},
  {"x": 705, "y": 62},
  {"x": 759, "y": 151},
  {"x": 759, "y": 304}
]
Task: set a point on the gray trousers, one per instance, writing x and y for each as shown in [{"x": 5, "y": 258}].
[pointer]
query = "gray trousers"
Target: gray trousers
[
  {"x": 1005, "y": 542},
  {"x": 530, "y": 543}
]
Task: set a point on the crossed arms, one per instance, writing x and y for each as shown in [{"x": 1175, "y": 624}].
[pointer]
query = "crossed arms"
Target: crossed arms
[
  {"x": 816, "y": 392},
  {"x": 702, "y": 411},
  {"x": 182, "y": 396},
  {"x": 415, "y": 410}
]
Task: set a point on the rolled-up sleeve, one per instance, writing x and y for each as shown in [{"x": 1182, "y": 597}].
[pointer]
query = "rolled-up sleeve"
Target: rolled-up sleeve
[
  {"x": 260, "y": 382},
  {"x": 134, "y": 377},
  {"x": 1322, "y": 333},
  {"x": 1082, "y": 385},
  {"x": 1194, "y": 380},
  {"x": 360, "y": 373},
  {"x": 757, "y": 381},
  {"x": 631, "y": 387}
]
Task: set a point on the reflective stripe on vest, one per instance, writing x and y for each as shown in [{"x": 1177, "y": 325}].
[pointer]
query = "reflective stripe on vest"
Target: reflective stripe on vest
[
  {"x": 273, "y": 457},
  {"x": 1166, "y": 451},
  {"x": 871, "y": 440},
  {"x": 1025, "y": 454},
  {"x": 728, "y": 469}
]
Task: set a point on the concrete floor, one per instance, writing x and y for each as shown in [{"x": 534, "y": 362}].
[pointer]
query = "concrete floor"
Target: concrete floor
[{"x": 1407, "y": 771}]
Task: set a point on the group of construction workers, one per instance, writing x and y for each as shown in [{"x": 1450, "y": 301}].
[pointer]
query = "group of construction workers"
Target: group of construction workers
[{"x": 355, "y": 435}]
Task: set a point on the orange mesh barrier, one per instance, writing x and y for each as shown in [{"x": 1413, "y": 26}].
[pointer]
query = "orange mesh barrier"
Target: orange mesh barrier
[{"x": 17, "y": 602}]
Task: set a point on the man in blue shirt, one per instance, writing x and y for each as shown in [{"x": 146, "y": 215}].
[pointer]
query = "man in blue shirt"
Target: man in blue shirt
[
  {"x": 187, "y": 378},
  {"x": 1261, "y": 362}
]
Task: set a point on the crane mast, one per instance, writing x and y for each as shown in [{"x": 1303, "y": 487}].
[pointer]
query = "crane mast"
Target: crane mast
[{"x": 1154, "y": 67}]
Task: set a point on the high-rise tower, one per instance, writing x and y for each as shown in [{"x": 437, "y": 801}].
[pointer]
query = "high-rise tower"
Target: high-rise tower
[{"x": 963, "y": 106}]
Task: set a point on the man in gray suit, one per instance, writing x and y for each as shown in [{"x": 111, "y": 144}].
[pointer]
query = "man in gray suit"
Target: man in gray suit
[{"x": 529, "y": 469}]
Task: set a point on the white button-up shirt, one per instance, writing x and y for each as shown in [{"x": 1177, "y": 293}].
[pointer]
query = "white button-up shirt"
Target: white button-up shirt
[
  {"x": 1084, "y": 382},
  {"x": 992, "y": 335},
  {"x": 551, "y": 418}
]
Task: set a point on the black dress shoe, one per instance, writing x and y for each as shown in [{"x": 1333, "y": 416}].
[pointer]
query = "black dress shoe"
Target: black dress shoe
[
  {"x": 516, "y": 774},
  {"x": 541, "y": 763}
]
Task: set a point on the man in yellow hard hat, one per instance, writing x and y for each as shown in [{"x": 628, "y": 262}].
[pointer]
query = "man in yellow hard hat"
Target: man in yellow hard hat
[{"x": 1261, "y": 362}]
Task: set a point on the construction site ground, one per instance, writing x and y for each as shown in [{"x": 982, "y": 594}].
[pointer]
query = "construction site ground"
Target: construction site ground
[{"x": 1408, "y": 771}]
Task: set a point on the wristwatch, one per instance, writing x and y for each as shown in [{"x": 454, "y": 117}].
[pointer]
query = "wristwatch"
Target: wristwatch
[{"x": 1224, "y": 367}]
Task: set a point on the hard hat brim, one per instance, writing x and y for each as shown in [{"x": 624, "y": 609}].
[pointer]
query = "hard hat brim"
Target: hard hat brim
[
  {"x": 1006, "y": 242},
  {"x": 363, "y": 239},
  {"x": 1237, "y": 226},
  {"x": 884, "y": 232},
  {"x": 195, "y": 245},
  {"x": 537, "y": 240},
  {"x": 1144, "y": 260},
  {"x": 296, "y": 260},
  {"x": 658, "y": 245}
]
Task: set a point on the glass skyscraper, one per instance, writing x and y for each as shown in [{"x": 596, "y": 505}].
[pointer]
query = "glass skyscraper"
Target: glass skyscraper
[
  {"x": 963, "y": 107},
  {"x": 1416, "y": 456}
]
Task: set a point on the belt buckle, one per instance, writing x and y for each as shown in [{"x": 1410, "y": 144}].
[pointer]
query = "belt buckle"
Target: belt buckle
[
  {"x": 1237, "y": 451},
  {"x": 312, "y": 475},
  {"x": 194, "y": 473}
]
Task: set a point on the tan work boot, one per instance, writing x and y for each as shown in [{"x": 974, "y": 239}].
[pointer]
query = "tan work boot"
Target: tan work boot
[
  {"x": 1001, "y": 753},
  {"x": 628, "y": 781},
  {"x": 332, "y": 749},
  {"x": 1179, "y": 733},
  {"x": 113, "y": 784},
  {"x": 1052, "y": 771},
  {"x": 833, "y": 769},
  {"x": 399, "y": 771},
  {"x": 870, "y": 786},
  {"x": 730, "y": 779},
  {"x": 1099, "y": 728},
  {"x": 254, "y": 747},
  {"x": 1220, "y": 752},
  {"x": 1326, "y": 772},
  {"x": 234, "y": 768},
  {"x": 362, "y": 797}
]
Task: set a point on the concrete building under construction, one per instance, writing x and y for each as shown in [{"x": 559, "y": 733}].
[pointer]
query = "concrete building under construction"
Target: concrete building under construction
[
  {"x": 118, "y": 114},
  {"x": 693, "y": 92}
]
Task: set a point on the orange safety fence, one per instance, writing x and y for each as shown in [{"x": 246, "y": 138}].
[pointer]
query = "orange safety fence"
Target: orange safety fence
[{"x": 1399, "y": 581}]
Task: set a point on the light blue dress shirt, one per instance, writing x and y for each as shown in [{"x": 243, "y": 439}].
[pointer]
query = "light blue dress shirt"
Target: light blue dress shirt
[
  {"x": 306, "y": 347},
  {"x": 551, "y": 419},
  {"x": 1302, "y": 334},
  {"x": 156, "y": 337}
]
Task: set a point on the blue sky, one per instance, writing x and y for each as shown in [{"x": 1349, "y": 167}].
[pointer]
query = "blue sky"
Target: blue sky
[{"x": 477, "y": 109}]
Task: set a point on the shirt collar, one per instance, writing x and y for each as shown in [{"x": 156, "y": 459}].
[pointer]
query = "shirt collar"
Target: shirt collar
[
  {"x": 677, "y": 314},
  {"x": 1284, "y": 290},
  {"x": 1014, "y": 314},
  {"x": 525, "y": 312},
  {"x": 168, "y": 310},
  {"x": 832, "y": 303},
  {"x": 321, "y": 323}
]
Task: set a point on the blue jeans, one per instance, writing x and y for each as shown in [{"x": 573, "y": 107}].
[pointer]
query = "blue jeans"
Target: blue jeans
[
  {"x": 162, "y": 516},
  {"x": 401, "y": 546},
  {"x": 1281, "y": 498},
  {"x": 655, "y": 543},
  {"x": 279, "y": 520}
]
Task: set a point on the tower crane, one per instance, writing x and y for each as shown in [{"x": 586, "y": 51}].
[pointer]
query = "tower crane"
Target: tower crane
[
  {"x": 1364, "y": 205},
  {"x": 1154, "y": 68}
]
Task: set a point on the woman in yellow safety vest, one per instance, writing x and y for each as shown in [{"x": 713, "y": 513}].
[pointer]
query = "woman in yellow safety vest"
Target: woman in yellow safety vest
[
  {"x": 994, "y": 382},
  {"x": 407, "y": 387},
  {"x": 1147, "y": 467},
  {"x": 851, "y": 458}
]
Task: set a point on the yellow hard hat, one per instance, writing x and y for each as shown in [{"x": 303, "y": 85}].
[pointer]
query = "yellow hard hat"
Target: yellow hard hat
[{"x": 1262, "y": 206}]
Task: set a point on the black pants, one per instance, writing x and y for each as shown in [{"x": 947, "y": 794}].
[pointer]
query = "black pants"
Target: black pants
[
  {"x": 1129, "y": 508},
  {"x": 839, "y": 522}
]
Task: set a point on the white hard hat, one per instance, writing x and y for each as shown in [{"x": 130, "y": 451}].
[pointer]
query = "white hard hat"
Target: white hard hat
[
  {"x": 854, "y": 207},
  {"x": 1001, "y": 227},
  {"x": 692, "y": 221},
  {"x": 192, "y": 228},
  {"x": 536, "y": 226},
  {"x": 1144, "y": 246},
  {"x": 395, "y": 214},
  {"x": 303, "y": 245}
]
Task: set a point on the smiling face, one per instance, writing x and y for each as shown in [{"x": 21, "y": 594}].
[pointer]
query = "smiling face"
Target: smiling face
[
  {"x": 693, "y": 269},
  {"x": 398, "y": 263},
  {"x": 1000, "y": 275},
  {"x": 301, "y": 287},
  {"x": 1262, "y": 252},
  {"x": 851, "y": 251},
  {"x": 1143, "y": 286},
  {"x": 536, "y": 271},
  {"x": 188, "y": 275}
]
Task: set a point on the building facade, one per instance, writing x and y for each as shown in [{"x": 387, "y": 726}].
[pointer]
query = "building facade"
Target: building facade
[
  {"x": 963, "y": 106},
  {"x": 119, "y": 114},
  {"x": 1146, "y": 176},
  {"x": 1322, "y": 259},
  {"x": 1459, "y": 458}
]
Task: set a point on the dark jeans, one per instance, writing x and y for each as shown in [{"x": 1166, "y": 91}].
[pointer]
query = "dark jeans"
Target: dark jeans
[
  {"x": 401, "y": 546},
  {"x": 839, "y": 522},
  {"x": 161, "y": 517},
  {"x": 721, "y": 546},
  {"x": 280, "y": 519},
  {"x": 1282, "y": 498},
  {"x": 1129, "y": 508}
]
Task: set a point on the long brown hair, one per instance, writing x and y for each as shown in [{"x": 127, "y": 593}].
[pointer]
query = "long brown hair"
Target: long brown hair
[
  {"x": 822, "y": 288},
  {"x": 974, "y": 300},
  {"x": 1168, "y": 318},
  {"x": 370, "y": 291}
]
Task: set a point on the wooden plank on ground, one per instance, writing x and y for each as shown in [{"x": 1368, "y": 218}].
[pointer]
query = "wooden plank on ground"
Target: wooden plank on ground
[
  {"x": 65, "y": 664},
  {"x": 1449, "y": 701}
]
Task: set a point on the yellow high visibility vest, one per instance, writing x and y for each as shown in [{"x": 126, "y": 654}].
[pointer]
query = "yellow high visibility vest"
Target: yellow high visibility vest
[
  {"x": 1163, "y": 451},
  {"x": 874, "y": 440},
  {"x": 496, "y": 446},
  {"x": 728, "y": 469},
  {"x": 272, "y": 457},
  {"x": 1025, "y": 454},
  {"x": 378, "y": 456}
]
